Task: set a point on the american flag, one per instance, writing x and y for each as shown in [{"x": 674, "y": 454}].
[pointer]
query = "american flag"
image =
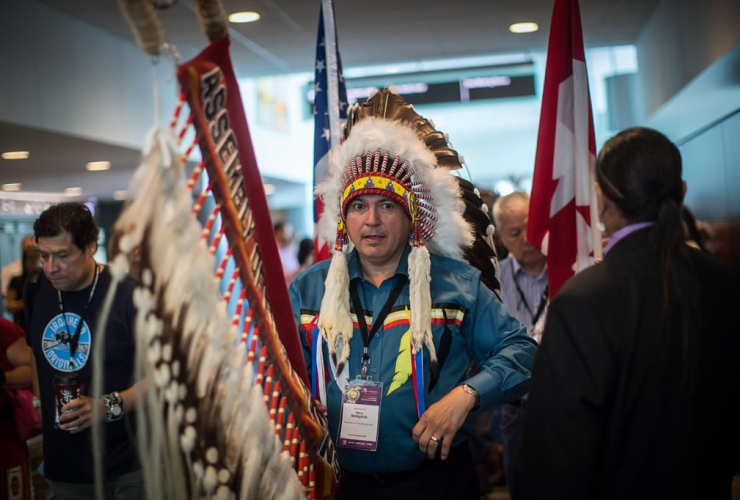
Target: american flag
[{"x": 330, "y": 109}]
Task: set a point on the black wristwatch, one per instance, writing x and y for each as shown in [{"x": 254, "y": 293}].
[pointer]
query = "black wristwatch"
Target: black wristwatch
[{"x": 113, "y": 406}]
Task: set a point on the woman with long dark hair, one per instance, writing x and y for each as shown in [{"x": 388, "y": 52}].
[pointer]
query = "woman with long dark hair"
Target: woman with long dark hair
[{"x": 636, "y": 384}]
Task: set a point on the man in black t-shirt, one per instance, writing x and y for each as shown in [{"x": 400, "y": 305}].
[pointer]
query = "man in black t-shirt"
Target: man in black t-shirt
[{"x": 62, "y": 310}]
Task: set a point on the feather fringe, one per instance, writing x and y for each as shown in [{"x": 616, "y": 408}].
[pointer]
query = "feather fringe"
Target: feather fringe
[
  {"x": 420, "y": 277},
  {"x": 335, "y": 320},
  {"x": 203, "y": 425}
]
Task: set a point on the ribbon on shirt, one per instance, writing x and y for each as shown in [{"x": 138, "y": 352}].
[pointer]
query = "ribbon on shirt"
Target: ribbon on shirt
[
  {"x": 417, "y": 372},
  {"x": 417, "y": 369},
  {"x": 319, "y": 377}
]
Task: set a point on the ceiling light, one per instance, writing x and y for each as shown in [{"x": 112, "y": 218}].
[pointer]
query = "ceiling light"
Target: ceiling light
[
  {"x": 523, "y": 27},
  {"x": 243, "y": 17},
  {"x": 269, "y": 189},
  {"x": 97, "y": 166},
  {"x": 119, "y": 195},
  {"x": 13, "y": 186},
  {"x": 504, "y": 187},
  {"x": 75, "y": 191},
  {"x": 15, "y": 155}
]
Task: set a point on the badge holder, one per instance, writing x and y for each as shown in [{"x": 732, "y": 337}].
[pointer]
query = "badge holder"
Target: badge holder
[{"x": 359, "y": 420}]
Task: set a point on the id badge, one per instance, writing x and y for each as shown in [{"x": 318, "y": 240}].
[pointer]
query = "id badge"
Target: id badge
[{"x": 359, "y": 421}]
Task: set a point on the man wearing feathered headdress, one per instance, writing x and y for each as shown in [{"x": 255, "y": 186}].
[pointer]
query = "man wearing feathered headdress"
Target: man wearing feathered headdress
[{"x": 390, "y": 327}]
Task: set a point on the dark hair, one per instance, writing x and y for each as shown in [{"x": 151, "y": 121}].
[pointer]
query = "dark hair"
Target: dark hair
[
  {"x": 25, "y": 271},
  {"x": 692, "y": 230},
  {"x": 305, "y": 249},
  {"x": 639, "y": 170},
  {"x": 74, "y": 218}
]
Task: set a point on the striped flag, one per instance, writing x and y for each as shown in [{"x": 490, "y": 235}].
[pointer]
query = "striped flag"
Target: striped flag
[
  {"x": 562, "y": 210},
  {"x": 330, "y": 109}
]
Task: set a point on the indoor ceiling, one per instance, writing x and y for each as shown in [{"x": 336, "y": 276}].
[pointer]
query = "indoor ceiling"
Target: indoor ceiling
[
  {"x": 58, "y": 162},
  {"x": 370, "y": 33},
  {"x": 375, "y": 32}
]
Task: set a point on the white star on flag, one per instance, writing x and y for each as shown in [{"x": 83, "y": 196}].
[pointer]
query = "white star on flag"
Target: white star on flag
[
  {"x": 316, "y": 87},
  {"x": 327, "y": 134},
  {"x": 320, "y": 65}
]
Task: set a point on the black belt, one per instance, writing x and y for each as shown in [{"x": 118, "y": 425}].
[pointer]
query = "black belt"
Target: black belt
[{"x": 397, "y": 477}]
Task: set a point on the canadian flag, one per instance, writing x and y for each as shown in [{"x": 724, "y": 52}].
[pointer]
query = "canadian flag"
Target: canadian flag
[{"x": 562, "y": 208}]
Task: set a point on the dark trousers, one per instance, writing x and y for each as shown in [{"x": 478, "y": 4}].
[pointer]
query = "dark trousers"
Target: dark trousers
[
  {"x": 454, "y": 477},
  {"x": 512, "y": 432}
]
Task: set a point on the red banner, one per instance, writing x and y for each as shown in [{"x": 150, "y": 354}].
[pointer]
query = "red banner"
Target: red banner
[{"x": 223, "y": 136}]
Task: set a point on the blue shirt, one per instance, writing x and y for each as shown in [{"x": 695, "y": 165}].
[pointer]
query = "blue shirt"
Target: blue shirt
[
  {"x": 532, "y": 287},
  {"x": 477, "y": 324}
]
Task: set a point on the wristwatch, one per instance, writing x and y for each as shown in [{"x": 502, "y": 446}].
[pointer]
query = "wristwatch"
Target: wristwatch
[
  {"x": 474, "y": 393},
  {"x": 113, "y": 406}
]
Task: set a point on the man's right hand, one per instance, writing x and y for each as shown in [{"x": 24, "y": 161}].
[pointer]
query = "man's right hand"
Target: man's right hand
[{"x": 439, "y": 424}]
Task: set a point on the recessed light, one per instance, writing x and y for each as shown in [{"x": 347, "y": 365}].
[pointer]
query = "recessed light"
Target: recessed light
[
  {"x": 97, "y": 166},
  {"x": 392, "y": 69},
  {"x": 243, "y": 17},
  {"x": 75, "y": 191},
  {"x": 524, "y": 27},
  {"x": 15, "y": 155},
  {"x": 269, "y": 189},
  {"x": 504, "y": 187},
  {"x": 13, "y": 186},
  {"x": 119, "y": 195}
]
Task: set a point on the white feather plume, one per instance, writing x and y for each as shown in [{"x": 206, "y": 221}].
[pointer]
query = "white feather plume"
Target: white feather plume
[{"x": 335, "y": 320}]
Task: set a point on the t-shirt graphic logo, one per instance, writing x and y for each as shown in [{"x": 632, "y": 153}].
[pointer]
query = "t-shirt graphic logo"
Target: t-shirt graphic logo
[{"x": 57, "y": 339}]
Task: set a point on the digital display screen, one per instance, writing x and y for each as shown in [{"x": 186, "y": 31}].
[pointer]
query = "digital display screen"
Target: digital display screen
[{"x": 462, "y": 90}]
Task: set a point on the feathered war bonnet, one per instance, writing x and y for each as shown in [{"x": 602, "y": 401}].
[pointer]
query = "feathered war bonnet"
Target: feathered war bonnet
[{"x": 390, "y": 150}]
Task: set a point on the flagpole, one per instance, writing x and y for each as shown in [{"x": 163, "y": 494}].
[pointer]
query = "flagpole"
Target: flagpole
[
  {"x": 332, "y": 69},
  {"x": 595, "y": 231}
]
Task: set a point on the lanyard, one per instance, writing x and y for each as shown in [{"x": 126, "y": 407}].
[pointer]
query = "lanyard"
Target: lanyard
[
  {"x": 378, "y": 321},
  {"x": 73, "y": 340},
  {"x": 540, "y": 307}
]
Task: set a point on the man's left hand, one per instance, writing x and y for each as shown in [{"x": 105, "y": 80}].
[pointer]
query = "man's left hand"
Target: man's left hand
[
  {"x": 80, "y": 414},
  {"x": 441, "y": 421}
]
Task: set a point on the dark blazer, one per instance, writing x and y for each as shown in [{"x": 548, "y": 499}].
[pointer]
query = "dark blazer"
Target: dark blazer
[{"x": 607, "y": 416}]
